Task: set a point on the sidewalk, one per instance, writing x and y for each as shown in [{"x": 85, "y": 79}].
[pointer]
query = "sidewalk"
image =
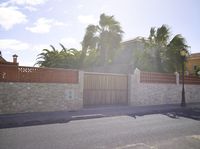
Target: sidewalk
[{"x": 37, "y": 118}]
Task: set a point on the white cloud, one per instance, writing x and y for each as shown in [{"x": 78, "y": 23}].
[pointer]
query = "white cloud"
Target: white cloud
[
  {"x": 50, "y": 9},
  {"x": 87, "y": 19},
  {"x": 10, "y": 16},
  {"x": 43, "y": 25},
  {"x": 4, "y": 4},
  {"x": 30, "y": 8},
  {"x": 57, "y": 23},
  {"x": 13, "y": 44},
  {"x": 17, "y": 45},
  {"x": 70, "y": 42},
  {"x": 40, "y": 47},
  {"x": 28, "y": 2},
  {"x": 80, "y": 6}
]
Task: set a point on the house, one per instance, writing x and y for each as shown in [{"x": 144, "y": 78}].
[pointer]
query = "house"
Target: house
[
  {"x": 193, "y": 62},
  {"x": 128, "y": 50},
  {"x": 4, "y": 62}
]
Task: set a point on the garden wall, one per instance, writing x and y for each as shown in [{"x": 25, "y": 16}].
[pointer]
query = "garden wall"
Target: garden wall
[
  {"x": 29, "y": 89},
  {"x": 159, "y": 91},
  {"x": 21, "y": 97}
]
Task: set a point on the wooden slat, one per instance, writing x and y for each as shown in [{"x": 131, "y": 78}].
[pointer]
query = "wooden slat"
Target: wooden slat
[{"x": 105, "y": 89}]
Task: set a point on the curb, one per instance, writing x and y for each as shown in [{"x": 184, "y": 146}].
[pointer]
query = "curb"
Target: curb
[{"x": 90, "y": 116}]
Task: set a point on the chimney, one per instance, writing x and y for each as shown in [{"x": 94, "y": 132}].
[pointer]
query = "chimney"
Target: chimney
[{"x": 15, "y": 58}]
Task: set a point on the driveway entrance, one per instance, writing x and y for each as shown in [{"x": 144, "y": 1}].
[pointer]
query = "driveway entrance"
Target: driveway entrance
[{"x": 105, "y": 89}]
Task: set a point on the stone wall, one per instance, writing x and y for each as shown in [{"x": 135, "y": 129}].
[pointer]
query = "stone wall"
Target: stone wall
[
  {"x": 18, "y": 97},
  {"x": 159, "y": 93}
]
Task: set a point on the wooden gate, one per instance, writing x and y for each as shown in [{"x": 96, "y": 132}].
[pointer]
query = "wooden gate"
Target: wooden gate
[{"x": 105, "y": 89}]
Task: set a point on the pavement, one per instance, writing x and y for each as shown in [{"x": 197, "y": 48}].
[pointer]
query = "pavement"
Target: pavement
[{"x": 191, "y": 111}]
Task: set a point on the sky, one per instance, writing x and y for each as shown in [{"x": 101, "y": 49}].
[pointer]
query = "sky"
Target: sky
[{"x": 28, "y": 26}]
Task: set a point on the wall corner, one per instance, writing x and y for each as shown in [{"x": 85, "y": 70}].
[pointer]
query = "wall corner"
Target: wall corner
[{"x": 177, "y": 78}]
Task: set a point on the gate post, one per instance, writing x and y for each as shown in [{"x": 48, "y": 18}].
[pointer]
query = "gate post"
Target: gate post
[
  {"x": 133, "y": 83},
  {"x": 81, "y": 84},
  {"x": 177, "y": 78},
  {"x": 130, "y": 88}
]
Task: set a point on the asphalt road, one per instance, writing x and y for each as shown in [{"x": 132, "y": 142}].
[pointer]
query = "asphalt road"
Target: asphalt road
[{"x": 120, "y": 132}]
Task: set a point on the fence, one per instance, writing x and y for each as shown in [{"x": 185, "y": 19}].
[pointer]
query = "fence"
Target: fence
[
  {"x": 190, "y": 80},
  {"x": 9, "y": 73},
  {"x": 153, "y": 77}
]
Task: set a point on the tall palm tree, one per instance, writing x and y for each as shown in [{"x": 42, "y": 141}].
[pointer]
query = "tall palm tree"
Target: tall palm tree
[
  {"x": 173, "y": 52},
  {"x": 166, "y": 54},
  {"x": 89, "y": 42},
  {"x": 158, "y": 40},
  {"x": 110, "y": 36},
  {"x": 106, "y": 37}
]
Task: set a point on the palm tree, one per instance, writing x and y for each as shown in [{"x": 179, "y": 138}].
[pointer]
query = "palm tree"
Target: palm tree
[
  {"x": 110, "y": 36},
  {"x": 48, "y": 58},
  {"x": 173, "y": 53},
  {"x": 65, "y": 58},
  {"x": 166, "y": 55},
  {"x": 157, "y": 42},
  {"x": 89, "y": 42},
  {"x": 105, "y": 37}
]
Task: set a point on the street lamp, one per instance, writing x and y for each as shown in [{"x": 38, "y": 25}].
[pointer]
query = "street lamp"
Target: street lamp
[{"x": 184, "y": 54}]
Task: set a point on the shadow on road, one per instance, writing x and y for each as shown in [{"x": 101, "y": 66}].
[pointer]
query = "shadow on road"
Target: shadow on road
[
  {"x": 40, "y": 118},
  {"x": 191, "y": 113},
  {"x": 187, "y": 113}
]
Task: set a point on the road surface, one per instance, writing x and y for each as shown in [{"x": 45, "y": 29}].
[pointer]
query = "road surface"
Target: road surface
[{"x": 155, "y": 131}]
